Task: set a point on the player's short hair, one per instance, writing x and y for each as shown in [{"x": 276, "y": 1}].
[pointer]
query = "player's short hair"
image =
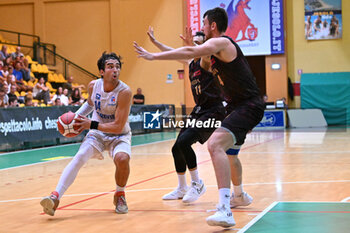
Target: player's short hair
[
  {"x": 106, "y": 56},
  {"x": 200, "y": 33},
  {"x": 219, "y": 16}
]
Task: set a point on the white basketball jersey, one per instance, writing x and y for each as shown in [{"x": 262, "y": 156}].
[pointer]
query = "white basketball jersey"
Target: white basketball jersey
[{"x": 105, "y": 103}]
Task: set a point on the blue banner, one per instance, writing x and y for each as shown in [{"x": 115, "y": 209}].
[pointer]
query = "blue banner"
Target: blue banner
[
  {"x": 273, "y": 119},
  {"x": 276, "y": 26}
]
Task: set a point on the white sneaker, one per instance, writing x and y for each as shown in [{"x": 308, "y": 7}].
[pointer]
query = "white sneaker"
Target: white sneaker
[
  {"x": 243, "y": 200},
  {"x": 176, "y": 194},
  {"x": 196, "y": 190},
  {"x": 223, "y": 217}
]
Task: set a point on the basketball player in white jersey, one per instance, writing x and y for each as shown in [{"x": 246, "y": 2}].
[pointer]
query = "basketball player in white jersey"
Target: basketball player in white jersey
[{"x": 110, "y": 101}]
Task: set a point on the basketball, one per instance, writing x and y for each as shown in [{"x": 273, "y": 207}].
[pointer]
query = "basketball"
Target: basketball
[{"x": 65, "y": 125}]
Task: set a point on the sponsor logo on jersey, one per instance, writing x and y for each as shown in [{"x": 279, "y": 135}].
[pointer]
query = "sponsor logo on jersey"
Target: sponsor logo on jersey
[{"x": 113, "y": 102}]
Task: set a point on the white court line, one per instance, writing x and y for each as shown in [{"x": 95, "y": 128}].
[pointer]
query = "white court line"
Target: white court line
[
  {"x": 71, "y": 144},
  {"x": 73, "y": 156},
  {"x": 171, "y": 188},
  {"x": 42, "y": 148},
  {"x": 345, "y": 199},
  {"x": 27, "y": 165},
  {"x": 296, "y": 152},
  {"x": 254, "y": 220}
]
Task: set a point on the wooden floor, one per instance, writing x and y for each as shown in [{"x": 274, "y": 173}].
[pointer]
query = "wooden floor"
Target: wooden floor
[{"x": 277, "y": 166}]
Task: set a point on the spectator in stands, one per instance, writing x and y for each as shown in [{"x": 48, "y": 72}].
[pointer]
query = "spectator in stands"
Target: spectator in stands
[
  {"x": 139, "y": 98},
  {"x": 59, "y": 94},
  {"x": 76, "y": 98},
  {"x": 25, "y": 69},
  {"x": 12, "y": 93},
  {"x": 12, "y": 81},
  {"x": 3, "y": 53},
  {"x": 3, "y": 76},
  {"x": 69, "y": 85},
  {"x": 58, "y": 102},
  {"x": 16, "y": 54},
  {"x": 65, "y": 97},
  {"x": 13, "y": 102},
  {"x": 19, "y": 78},
  {"x": 3, "y": 98},
  {"x": 6, "y": 88},
  {"x": 41, "y": 91},
  {"x": 9, "y": 61},
  {"x": 4, "y": 71},
  {"x": 28, "y": 101}
]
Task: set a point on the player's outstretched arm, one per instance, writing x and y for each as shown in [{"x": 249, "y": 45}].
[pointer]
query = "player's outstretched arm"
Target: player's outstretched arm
[
  {"x": 159, "y": 45},
  {"x": 212, "y": 46}
]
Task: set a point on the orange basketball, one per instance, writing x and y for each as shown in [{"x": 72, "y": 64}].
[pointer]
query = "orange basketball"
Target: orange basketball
[{"x": 65, "y": 125}]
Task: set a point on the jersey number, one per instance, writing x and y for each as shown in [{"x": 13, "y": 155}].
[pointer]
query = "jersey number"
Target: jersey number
[
  {"x": 98, "y": 105},
  {"x": 198, "y": 89}
]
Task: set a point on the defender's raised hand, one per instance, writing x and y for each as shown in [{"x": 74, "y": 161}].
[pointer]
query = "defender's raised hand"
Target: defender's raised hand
[
  {"x": 188, "y": 38},
  {"x": 142, "y": 53}
]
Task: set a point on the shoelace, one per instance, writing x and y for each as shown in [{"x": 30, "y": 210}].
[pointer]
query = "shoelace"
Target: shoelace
[{"x": 121, "y": 200}]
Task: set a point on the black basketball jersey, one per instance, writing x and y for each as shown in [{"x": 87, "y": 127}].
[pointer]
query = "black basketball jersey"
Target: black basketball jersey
[
  {"x": 235, "y": 77},
  {"x": 205, "y": 91}
]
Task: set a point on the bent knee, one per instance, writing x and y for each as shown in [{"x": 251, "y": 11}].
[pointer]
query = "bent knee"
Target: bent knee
[
  {"x": 213, "y": 146},
  {"x": 121, "y": 158}
]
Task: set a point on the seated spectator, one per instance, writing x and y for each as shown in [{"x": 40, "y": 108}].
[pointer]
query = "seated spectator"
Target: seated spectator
[
  {"x": 4, "y": 100},
  {"x": 139, "y": 98},
  {"x": 3, "y": 76},
  {"x": 6, "y": 87},
  {"x": 16, "y": 54},
  {"x": 19, "y": 78},
  {"x": 58, "y": 102},
  {"x": 13, "y": 102},
  {"x": 41, "y": 91},
  {"x": 12, "y": 94},
  {"x": 28, "y": 101},
  {"x": 25, "y": 69},
  {"x": 76, "y": 98},
  {"x": 69, "y": 85},
  {"x": 3, "y": 53},
  {"x": 59, "y": 94}
]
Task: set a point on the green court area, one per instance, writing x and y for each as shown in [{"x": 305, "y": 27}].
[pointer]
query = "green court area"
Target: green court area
[
  {"x": 20, "y": 158},
  {"x": 302, "y": 217}
]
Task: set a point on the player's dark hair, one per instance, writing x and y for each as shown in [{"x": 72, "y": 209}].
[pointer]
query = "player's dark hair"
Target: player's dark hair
[
  {"x": 200, "y": 33},
  {"x": 219, "y": 16},
  {"x": 106, "y": 56}
]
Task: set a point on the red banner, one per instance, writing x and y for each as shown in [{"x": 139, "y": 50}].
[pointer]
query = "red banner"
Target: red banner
[{"x": 193, "y": 15}]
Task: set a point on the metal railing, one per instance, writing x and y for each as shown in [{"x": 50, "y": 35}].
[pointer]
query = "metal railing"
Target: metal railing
[{"x": 44, "y": 53}]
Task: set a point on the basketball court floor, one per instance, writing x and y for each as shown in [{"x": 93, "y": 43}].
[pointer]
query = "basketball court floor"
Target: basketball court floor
[{"x": 300, "y": 182}]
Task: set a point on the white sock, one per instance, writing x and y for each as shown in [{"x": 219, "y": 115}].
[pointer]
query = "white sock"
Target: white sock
[
  {"x": 182, "y": 181},
  {"x": 194, "y": 175},
  {"x": 224, "y": 197},
  {"x": 70, "y": 172},
  {"x": 120, "y": 189},
  {"x": 238, "y": 190}
]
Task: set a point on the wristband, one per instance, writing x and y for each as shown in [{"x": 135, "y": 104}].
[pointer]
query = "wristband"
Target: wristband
[{"x": 94, "y": 125}]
